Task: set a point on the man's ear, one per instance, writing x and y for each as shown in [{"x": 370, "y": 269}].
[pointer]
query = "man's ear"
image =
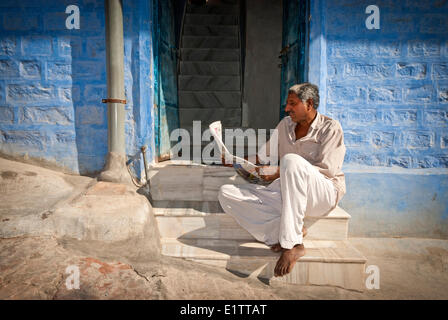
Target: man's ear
[{"x": 310, "y": 104}]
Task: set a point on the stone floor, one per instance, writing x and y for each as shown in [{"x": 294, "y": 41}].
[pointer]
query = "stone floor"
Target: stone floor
[{"x": 35, "y": 268}]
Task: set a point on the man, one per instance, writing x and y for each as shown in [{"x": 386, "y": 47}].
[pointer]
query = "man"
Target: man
[{"x": 309, "y": 180}]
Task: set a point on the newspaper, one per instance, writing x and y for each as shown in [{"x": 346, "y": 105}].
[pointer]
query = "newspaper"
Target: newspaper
[{"x": 244, "y": 168}]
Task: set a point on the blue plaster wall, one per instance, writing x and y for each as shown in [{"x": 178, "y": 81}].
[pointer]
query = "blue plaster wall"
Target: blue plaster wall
[
  {"x": 52, "y": 81},
  {"x": 389, "y": 90}
]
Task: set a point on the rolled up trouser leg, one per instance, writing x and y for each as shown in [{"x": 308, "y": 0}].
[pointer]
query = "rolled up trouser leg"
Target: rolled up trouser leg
[{"x": 304, "y": 190}]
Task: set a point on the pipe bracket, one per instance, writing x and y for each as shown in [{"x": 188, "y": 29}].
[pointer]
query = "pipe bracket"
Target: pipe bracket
[{"x": 113, "y": 101}]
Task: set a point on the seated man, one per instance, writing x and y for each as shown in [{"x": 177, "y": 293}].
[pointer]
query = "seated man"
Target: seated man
[{"x": 309, "y": 180}]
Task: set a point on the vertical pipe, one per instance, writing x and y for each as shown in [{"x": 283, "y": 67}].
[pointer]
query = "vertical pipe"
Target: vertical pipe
[
  {"x": 115, "y": 75},
  {"x": 115, "y": 169}
]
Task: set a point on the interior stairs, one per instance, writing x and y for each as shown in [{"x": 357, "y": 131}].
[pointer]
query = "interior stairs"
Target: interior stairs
[
  {"x": 209, "y": 79},
  {"x": 193, "y": 226}
]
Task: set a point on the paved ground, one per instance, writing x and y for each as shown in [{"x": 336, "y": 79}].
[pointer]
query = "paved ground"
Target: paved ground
[{"x": 34, "y": 266}]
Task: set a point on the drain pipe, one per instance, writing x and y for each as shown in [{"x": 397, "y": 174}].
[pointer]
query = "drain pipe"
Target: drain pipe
[{"x": 115, "y": 169}]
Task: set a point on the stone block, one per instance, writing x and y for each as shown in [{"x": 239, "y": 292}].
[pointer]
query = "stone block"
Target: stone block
[
  {"x": 369, "y": 70},
  {"x": 95, "y": 93},
  {"x": 426, "y": 162},
  {"x": 386, "y": 48},
  {"x": 36, "y": 45},
  {"x": 59, "y": 71},
  {"x": 46, "y": 115},
  {"x": 89, "y": 69},
  {"x": 444, "y": 141},
  {"x": 29, "y": 93},
  {"x": 383, "y": 95},
  {"x": 424, "y": 48},
  {"x": 383, "y": 139},
  {"x": 436, "y": 118},
  {"x": 9, "y": 69},
  {"x": 351, "y": 49},
  {"x": 20, "y": 22},
  {"x": 345, "y": 94},
  {"x": 422, "y": 93},
  {"x": 8, "y": 46},
  {"x": 399, "y": 117},
  {"x": 355, "y": 138},
  {"x": 24, "y": 140},
  {"x": 418, "y": 139},
  {"x": 70, "y": 46},
  {"x": 30, "y": 69},
  {"x": 411, "y": 70},
  {"x": 442, "y": 94},
  {"x": 6, "y": 114},
  {"x": 400, "y": 161},
  {"x": 90, "y": 115},
  {"x": 96, "y": 47},
  {"x": 439, "y": 71},
  {"x": 65, "y": 137}
]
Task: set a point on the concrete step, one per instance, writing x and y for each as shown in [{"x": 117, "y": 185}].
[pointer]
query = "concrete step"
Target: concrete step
[
  {"x": 332, "y": 263},
  {"x": 209, "y": 83},
  {"x": 210, "y": 19},
  {"x": 210, "y": 30},
  {"x": 209, "y": 99},
  {"x": 213, "y": 9},
  {"x": 210, "y": 68},
  {"x": 220, "y": 55},
  {"x": 228, "y": 116},
  {"x": 215, "y": 42},
  {"x": 189, "y": 181},
  {"x": 206, "y": 219}
]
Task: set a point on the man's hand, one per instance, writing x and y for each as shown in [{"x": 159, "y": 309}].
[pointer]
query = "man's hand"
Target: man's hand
[
  {"x": 223, "y": 162},
  {"x": 273, "y": 170}
]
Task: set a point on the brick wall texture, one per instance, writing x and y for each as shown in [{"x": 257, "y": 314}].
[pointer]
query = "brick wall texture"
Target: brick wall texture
[
  {"x": 52, "y": 80},
  {"x": 389, "y": 87}
]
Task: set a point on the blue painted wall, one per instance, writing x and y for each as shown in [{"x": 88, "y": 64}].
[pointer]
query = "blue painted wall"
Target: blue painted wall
[
  {"x": 52, "y": 81},
  {"x": 389, "y": 90}
]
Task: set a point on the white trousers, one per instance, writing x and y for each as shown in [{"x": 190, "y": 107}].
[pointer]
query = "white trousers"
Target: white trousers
[{"x": 275, "y": 213}]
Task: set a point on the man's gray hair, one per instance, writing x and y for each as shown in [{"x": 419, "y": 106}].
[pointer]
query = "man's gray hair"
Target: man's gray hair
[{"x": 306, "y": 91}]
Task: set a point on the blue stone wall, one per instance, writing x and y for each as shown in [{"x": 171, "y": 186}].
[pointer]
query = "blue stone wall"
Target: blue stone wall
[
  {"x": 52, "y": 81},
  {"x": 389, "y": 90}
]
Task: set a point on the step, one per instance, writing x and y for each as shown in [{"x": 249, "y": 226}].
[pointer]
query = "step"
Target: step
[
  {"x": 210, "y": 9},
  {"x": 210, "y": 30},
  {"x": 215, "y": 42},
  {"x": 209, "y": 83},
  {"x": 332, "y": 263},
  {"x": 210, "y": 19},
  {"x": 228, "y": 116},
  {"x": 209, "y": 99},
  {"x": 186, "y": 180},
  {"x": 210, "y": 68},
  {"x": 206, "y": 219},
  {"x": 220, "y": 55}
]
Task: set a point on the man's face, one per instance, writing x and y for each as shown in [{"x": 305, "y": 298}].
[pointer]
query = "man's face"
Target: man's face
[{"x": 296, "y": 108}]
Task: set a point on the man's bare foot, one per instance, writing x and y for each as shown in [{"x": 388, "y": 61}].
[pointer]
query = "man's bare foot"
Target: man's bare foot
[
  {"x": 277, "y": 247},
  {"x": 288, "y": 259}
]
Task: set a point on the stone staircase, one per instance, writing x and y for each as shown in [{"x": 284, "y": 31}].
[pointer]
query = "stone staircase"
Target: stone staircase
[
  {"x": 193, "y": 226},
  {"x": 210, "y": 72}
]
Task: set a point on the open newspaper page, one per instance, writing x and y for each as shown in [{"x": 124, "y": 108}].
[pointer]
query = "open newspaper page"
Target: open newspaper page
[{"x": 244, "y": 168}]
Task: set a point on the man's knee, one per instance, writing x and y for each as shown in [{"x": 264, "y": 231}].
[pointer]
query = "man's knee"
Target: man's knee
[
  {"x": 292, "y": 161},
  {"x": 225, "y": 190}
]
